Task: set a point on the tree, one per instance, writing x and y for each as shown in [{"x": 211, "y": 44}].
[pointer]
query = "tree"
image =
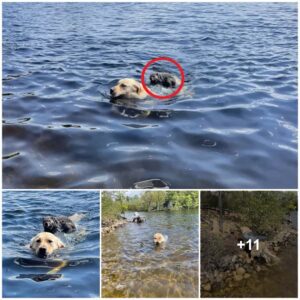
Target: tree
[{"x": 220, "y": 211}]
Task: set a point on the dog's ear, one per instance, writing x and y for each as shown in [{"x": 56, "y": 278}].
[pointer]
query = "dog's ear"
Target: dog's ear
[
  {"x": 31, "y": 243},
  {"x": 60, "y": 244},
  {"x": 137, "y": 88}
]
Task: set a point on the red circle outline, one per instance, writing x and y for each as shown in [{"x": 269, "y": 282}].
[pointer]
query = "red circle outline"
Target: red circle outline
[{"x": 154, "y": 60}]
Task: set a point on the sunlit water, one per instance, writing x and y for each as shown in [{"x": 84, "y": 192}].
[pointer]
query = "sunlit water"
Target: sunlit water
[
  {"x": 22, "y": 219},
  {"x": 133, "y": 267},
  {"x": 234, "y": 127}
]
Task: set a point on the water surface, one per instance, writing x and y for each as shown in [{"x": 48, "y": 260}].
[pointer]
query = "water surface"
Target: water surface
[
  {"x": 235, "y": 128},
  {"x": 133, "y": 267}
]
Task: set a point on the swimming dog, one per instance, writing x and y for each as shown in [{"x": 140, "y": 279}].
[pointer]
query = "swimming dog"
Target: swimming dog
[
  {"x": 44, "y": 244},
  {"x": 128, "y": 88},
  {"x": 158, "y": 239}
]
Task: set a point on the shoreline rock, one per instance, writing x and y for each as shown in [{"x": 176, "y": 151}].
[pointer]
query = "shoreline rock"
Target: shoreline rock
[
  {"x": 231, "y": 269},
  {"x": 111, "y": 225}
]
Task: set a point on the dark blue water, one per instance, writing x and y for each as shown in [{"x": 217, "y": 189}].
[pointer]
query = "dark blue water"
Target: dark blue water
[
  {"x": 236, "y": 127},
  {"x": 130, "y": 258},
  {"x": 22, "y": 220}
]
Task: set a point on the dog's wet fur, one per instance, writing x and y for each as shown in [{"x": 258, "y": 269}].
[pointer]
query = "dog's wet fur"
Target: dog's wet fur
[
  {"x": 158, "y": 239},
  {"x": 44, "y": 244},
  {"x": 130, "y": 88}
]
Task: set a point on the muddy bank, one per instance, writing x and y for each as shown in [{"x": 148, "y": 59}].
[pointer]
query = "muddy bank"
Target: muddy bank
[
  {"x": 110, "y": 225},
  {"x": 231, "y": 272}
]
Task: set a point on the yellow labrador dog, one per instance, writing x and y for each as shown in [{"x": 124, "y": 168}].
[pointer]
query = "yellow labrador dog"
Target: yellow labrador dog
[
  {"x": 44, "y": 244},
  {"x": 128, "y": 88},
  {"x": 158, "y": 239}
]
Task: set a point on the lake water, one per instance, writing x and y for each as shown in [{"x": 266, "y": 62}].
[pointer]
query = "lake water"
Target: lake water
[
  {"x": 235, "y": 127},
  {"x": 22, "y": 220},
  {"x": 133, "y": 267}
]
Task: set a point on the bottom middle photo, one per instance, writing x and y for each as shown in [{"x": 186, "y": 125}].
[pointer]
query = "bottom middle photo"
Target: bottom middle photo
[{"x": 150, "y": 244}]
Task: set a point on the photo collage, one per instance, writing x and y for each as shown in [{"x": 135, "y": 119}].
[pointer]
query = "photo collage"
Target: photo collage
[{"x": 149, "y": 149}]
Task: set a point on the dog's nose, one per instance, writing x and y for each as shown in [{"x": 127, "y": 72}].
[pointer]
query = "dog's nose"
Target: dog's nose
[
  {"x": 42, "y": 250},
  {"x": 42, "y": 253},
  {"x": 111, "y": 91}
]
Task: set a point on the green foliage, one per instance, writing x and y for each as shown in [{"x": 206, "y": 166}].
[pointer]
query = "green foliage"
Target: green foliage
[
  {"x": 111, "y": 205},
  {"x": 183, "y": 200},
  {"x": 151, "y": 201},
  {"x": 262, "y": 211}
]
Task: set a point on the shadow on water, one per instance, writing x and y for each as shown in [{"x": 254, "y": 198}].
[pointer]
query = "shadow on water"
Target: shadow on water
[
  {"x": 71, "y": 272},
  {"x": 133, "y": 267}
]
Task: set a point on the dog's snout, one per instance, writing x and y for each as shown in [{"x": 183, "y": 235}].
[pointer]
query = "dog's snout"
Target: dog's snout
[
  {"x": 111, "y": 91},
  {"x": 42, "y": 253}
]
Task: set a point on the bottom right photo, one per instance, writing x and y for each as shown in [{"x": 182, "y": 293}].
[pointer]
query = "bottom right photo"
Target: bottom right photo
[{"x": 249, "y": 244}]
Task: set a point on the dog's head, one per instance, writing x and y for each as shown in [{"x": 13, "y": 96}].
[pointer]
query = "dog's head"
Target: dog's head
[
  {"x": 44, "y": 244},
  {"x": 126, "y": 88},
  {"x": 49, "y": 224},
  {"x": 158, "y": 238}
]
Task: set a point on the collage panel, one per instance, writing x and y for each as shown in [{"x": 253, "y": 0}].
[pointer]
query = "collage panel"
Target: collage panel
[
  {"x": 76, "y": 113},
  {"x": 115, "y": 116},
  {"x": 150, "y": 244},
  {"x": 50, "y": 244},
  {"x": 249, "y": 244}
]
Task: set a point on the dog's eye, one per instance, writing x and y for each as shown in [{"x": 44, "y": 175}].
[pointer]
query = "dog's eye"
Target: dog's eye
[
  {"x": 123, "y": 85},
  {"x": 49, "y": 241},
  {"x": 38, "y": 241}
]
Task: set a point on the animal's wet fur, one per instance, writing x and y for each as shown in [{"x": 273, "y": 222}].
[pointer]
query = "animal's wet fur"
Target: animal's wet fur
[
  {"x": 130, "y": 88},
  {"x": 165, "y": 79},
  {"x": 58, "y": 224},
  {"x": 61, "y": 223},
  {"x": 44, "y": 244}
]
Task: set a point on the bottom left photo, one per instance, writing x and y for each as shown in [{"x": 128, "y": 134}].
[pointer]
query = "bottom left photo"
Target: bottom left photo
[{"x": 50, "y": 244}]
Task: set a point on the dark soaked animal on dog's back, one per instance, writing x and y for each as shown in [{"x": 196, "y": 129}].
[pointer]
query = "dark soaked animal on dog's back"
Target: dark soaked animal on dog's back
[
  {"x": 165, "y": 79},
  {"x": 58, "y": 224},
  {"x": 138, "y": 220}
]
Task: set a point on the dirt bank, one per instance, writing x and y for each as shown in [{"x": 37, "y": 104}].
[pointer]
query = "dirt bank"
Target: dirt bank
[{"x": 225, "y": 268}]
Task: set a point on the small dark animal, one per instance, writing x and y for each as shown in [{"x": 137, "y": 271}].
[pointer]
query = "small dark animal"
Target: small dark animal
[
  {"x": 165, "y": 79},
  {"x": 138, "y": 219},
  {"x": 58, "y": 224}
]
